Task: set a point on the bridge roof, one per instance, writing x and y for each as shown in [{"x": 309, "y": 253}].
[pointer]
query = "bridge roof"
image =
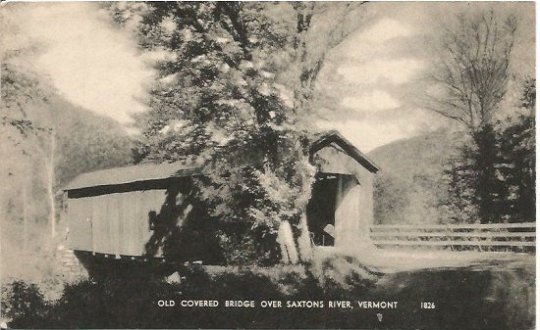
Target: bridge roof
[
  {"x": 132, "y": 174},
  {"x": 334, "y": 136},
  {"x": 152, "y": 172}
]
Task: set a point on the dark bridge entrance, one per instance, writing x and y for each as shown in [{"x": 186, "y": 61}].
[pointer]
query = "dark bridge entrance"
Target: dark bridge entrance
[{"x": 321, "y": 209}]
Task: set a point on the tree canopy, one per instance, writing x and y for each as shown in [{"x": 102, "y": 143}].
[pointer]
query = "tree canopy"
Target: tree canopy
[{"x": 234, "y": 81}]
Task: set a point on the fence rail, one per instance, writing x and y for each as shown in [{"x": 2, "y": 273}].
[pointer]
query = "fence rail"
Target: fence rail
[
  {"x": 463, "y": 226},
  {"x": 503, "y": 237}
]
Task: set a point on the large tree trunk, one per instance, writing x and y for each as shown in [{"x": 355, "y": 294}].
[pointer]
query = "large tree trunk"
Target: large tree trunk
[
  {"x": 289, "y": 252},
  {"x": 294, "y": 250},
  {"x": 303, "y": 241}
]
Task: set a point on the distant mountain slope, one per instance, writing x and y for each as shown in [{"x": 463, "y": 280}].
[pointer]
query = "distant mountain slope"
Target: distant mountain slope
[
  {"x": 418, "y": 155},
  {"x": 33, "y": 113},
  {"x": 410, "y": 183},
  {"x": 87, "y": 141}
]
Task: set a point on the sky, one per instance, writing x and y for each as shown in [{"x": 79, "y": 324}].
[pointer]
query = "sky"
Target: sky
[
  {"x": 376, "y": 74},
  {"x": 372, "y": 74},
  {"x": 369, "y": 72},
  {"x": 90, "y": 62}
]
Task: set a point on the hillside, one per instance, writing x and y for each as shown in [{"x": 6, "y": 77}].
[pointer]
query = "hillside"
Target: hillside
[
  {"x": 87, "y": 141},
  {"x": 410, "y": 183},
  {"x": 418, "y": 155},
  {"x": 45, "y": 142}
]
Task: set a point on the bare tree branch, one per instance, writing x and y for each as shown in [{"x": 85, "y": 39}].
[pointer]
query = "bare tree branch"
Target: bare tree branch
[{"x": 473, "y": 68}]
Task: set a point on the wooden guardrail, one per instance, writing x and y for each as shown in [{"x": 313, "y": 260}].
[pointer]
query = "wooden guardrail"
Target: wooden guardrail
[{"x": 500, "y": 237}]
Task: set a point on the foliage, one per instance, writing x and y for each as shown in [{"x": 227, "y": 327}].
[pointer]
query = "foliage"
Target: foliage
[
  {"x": 411, "y": 186},
  {"x": 439, "y": 187},
  {"x": 35, "y": 118},
  {"x": 493, "y": 177},
  {"x": 243, "y": 244},
  {"x": 390, "y": 199},
  {"x": 472, "y": 181},
  {"x": 234, "y": 81},
  {"x": 20, "y": 299},
  {"x": 517, "y": 159},
  {"x": 470, "y": 84},
  {"x": 87, "y": 142}
]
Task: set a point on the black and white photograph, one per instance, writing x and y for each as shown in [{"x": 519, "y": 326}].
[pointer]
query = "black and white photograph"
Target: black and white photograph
[{"x": 268, "y": 164}]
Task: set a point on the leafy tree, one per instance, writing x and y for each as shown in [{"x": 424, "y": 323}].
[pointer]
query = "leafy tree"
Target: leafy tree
[
  {"x": 474, "y": 186},
  {"x": 494, "y": 175},
  {"x": 234, "y": 80},
  {"x": 470, "y": 83},
  {"x": 517, "y": 161}
]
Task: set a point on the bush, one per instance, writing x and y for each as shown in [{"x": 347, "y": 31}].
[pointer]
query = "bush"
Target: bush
[
  {"x": 22, "y": 300},
  {"x": 242, "y": 243}
]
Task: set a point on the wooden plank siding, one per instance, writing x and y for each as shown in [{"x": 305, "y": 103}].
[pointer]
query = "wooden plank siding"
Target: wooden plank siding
[
  {"x": 114, "y": 224},
  {"x": 347, "y": 213},
  {"x": 79, "y": 214},
  {"x": 354, "y": 198}
]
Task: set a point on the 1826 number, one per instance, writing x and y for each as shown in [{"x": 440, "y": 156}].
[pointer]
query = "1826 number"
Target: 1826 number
[{"x": 427, "y": 305}]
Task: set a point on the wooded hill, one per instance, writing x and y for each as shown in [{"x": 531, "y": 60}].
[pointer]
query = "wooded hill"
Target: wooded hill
[
  {"x": 410, "y": 182},
  {"x": 431, "y": 178},
  {"x": 46, "y": 141}
]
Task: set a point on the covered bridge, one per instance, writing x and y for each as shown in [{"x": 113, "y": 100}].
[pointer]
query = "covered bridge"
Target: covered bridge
[{"x": 114, "y": 212}]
